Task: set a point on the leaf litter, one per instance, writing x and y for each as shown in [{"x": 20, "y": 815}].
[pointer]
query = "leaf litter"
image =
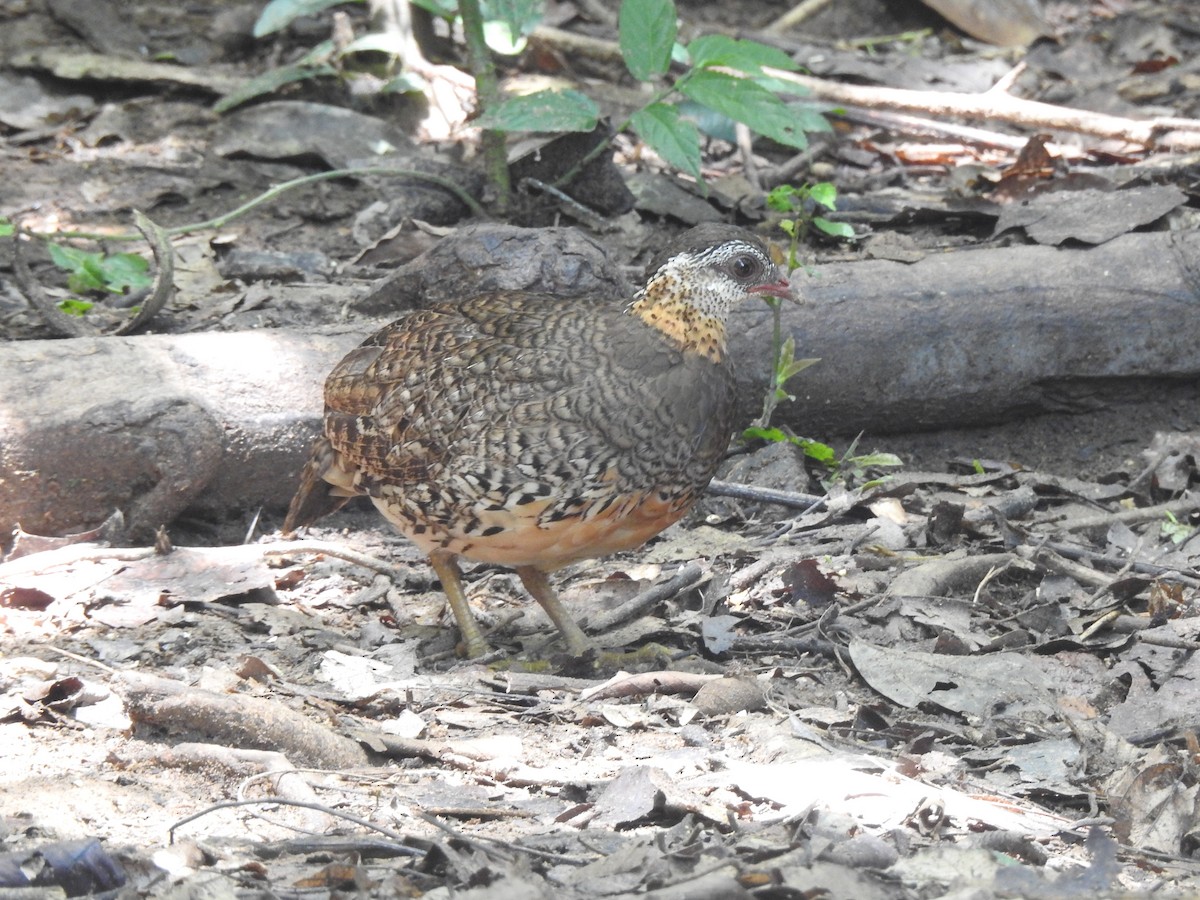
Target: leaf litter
[{"x": 986, "y": 676}]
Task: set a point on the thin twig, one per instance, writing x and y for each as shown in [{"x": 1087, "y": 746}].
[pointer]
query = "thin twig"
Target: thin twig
[
  {"x": 571, "y": 206},
  {"x": 1143, "y": 514},
  {"x": 1173, "y": 133},
  {"x": 1169, "y": 132},
  {"x": 328, "y": 549},
  {"x": 301, "y": 804},
  {"x": 685, "y": 578},
  {"x": 81, "y": 659},
  {"x": 270, "y": 194},
  {"x": 1145, "y": 568},
  {"x": 794, "y": 499},
  {"x": 1050, "y": 560},
  {"x": 801, "y": 12}
]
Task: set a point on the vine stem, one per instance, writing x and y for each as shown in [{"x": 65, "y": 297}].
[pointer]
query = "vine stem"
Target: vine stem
[
  {"x": 269, "y": 195},
  {"x": 487, "y": 88},
  {"x": 603, "y": 145},
  {"x": 771, "y": 399}
]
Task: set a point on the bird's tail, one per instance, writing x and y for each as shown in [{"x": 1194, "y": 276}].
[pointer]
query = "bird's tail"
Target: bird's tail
[{"x": 320, "y": 492}]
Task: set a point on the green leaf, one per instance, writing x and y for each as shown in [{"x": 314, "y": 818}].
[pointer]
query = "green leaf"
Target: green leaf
[
  {"x": 1174, "y": 530},
  {"x": 824, "y": 193},
  {"x": 66, "y": 257},
  {"x": 808, "y": 118},
  {"x": 782, "y": 198},
  {"x": 786, "y": 352},
  {"x": 876, "y": 482},
  {"x": 745, "y": 56},
  {"x": 405, "y": 83},
  {"x": 443, "y": 9},
  {"x": 742, "y": 99},
  {"x": 876, "y": 459},
  {"x": 98, "y": 272},
  {"x": 544, "y": 111},
  {"x": 674, "y": 139},
  {"x": 709, "y": 121},
  {"x": 270, "y": 81},
  {"x": 812, "y": 449},
  {"x": 779, "y": 86},
  {"x": 88, "y": 277},
  {"x": 818, "y": 451},
  {"x": 376, "y": 42},
  {"x": 73, "y": 306},
  {"x": 69, "y": 259},
  {"x": 83, "y": 282},
  {"x": 7, "y": 228},
  {"x": 836, "y": 229},
  {"x": 501, "y": 39},
  {"x": 507, "y": 22},
  {"x": 770, "y": 435},
  {"x": 279, "y": 14},
  {"x": 647, "y": 30},
  {"x": 795, "y": 367},
  {"x": 123, "y": 271}
]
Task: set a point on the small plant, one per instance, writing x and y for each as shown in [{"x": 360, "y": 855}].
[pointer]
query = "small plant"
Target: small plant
[
  {"x": 798, "y": 203},
  {"x": 852, "y": 468},
  {"x": 1175, "y": 531},
  {"x": 97, "y": 273},
  {"x": 822, "y": 453},
  {"x": 785, "y": 365},
  {"x": 648, "y": 44}
]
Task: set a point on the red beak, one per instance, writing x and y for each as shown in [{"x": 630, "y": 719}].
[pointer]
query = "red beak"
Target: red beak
[{"x": 781, "y": 288}]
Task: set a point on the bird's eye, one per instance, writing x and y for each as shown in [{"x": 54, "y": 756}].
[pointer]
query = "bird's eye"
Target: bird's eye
[{"x": 745, "y": 267}]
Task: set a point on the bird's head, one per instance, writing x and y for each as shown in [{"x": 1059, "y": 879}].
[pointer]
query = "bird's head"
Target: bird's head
[{"x": 693, "y": 283}]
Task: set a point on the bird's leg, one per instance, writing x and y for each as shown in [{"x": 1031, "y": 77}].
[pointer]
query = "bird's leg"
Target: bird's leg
[
  {"x": 446, "y": 566},
  {"x": 539, "y": 588}
]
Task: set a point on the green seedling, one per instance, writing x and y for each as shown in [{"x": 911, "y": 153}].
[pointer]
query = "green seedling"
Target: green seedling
[
  {"x": 97, "y": 273},
  {"x": 1175, "y": 531},
  {"x": 797, "y": 204}
]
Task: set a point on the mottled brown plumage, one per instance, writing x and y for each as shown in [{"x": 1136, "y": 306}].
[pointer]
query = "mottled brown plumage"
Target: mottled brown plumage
[{"x": 528, "y": 431}]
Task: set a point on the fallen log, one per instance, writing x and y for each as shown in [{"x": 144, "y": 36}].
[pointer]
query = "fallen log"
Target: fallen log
[
  {"x": 155, "y": 424},
  {"x": 212, "y": 423},
  {"x": 981, "y": 335}
]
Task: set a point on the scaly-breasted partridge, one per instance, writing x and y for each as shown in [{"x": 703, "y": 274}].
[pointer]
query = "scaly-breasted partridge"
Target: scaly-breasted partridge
[{"x": 528, "y": 431}]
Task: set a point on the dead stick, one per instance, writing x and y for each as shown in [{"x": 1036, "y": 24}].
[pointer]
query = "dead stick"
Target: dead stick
[
  {"x": 1166, "y": 132},
  {"x": 1172, "y": 133}
]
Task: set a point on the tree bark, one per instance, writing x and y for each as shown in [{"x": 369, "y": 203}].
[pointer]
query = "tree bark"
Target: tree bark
[
  {"x": 976, "y": 336},
  {"x": 156, "y": 424}
]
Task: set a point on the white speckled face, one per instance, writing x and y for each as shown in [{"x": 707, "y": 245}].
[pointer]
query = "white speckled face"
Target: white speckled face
[
  {"x": 714, "y": 279},
  {"x": 689, "y": 294}
]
